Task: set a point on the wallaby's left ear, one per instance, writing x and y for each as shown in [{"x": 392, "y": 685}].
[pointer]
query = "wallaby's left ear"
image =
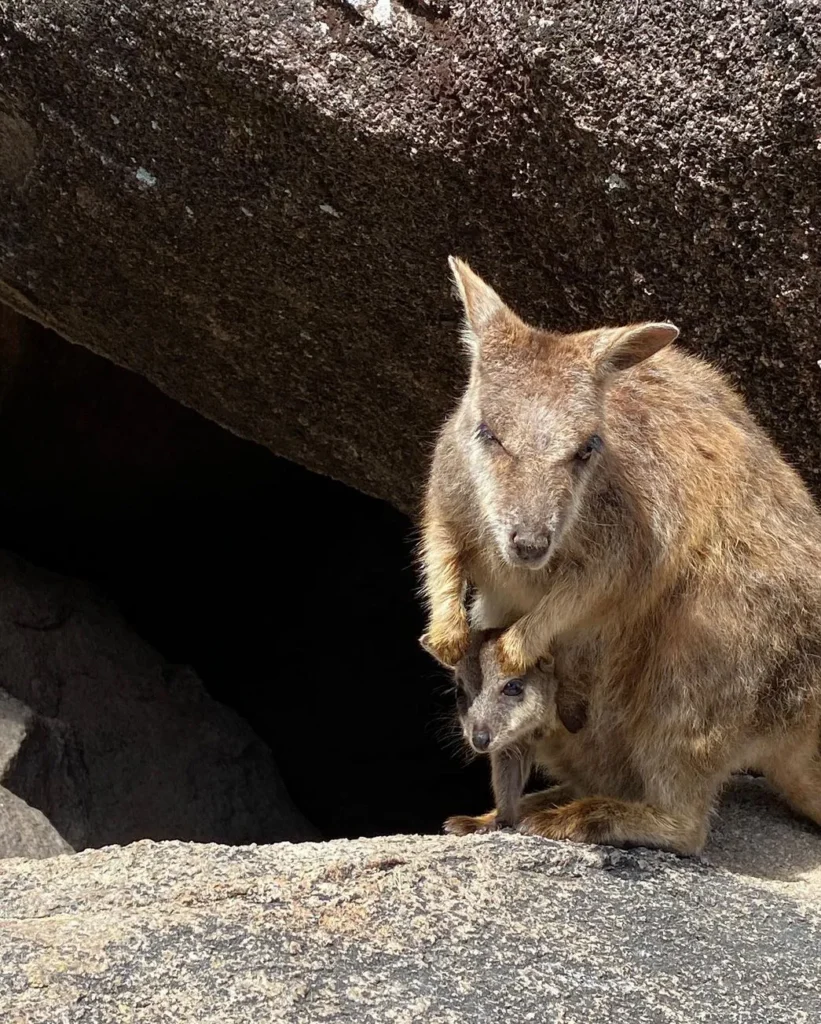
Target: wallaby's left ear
[
  {"x": 623, "y": 347},
  {"x": 481, "y": 304}
]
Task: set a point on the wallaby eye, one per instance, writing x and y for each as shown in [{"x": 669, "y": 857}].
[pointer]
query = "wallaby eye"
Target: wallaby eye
[
  {"x": 513, "y": 688},
  {"x": 593, "y": 444},
  {"x": 484, "y": 433}
]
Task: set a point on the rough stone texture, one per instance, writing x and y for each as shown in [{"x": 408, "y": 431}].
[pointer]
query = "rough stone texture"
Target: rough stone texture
[
  {"x": 24, "y": 831},
  {"x": 27, "y": 832},
  {"x": 405, "y": 929},
  {"x": 114, "y": 744},
  {"x": 755, "y": 835},
  {"x": 251, "y": 203}
]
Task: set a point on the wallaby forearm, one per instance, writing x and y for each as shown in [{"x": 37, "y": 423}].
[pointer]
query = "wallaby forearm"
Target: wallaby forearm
[
  {"x": 564, "y": 608},
  {"x": 444, "y": 582}
]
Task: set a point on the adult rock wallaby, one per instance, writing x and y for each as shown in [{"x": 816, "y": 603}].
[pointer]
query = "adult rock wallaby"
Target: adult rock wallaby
[{"x": 611, "y": 501}]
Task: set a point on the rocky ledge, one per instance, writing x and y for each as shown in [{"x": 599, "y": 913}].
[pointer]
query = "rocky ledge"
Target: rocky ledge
[{"x": 419, "y": 928}]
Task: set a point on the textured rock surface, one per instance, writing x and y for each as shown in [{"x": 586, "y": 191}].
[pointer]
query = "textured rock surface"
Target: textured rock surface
[
  {"x": 25, "y": 831},
  {"x": 251, "y": 203},
  {"x": 754, "y": 834},
  {"x": 111, "y": 742},
  {"x": 403, "y": 929}
]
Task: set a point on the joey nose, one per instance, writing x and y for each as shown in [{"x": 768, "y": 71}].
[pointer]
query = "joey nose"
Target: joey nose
[
  {"x": 529, "y": 547},
  {"x": 481, "y": 739}
]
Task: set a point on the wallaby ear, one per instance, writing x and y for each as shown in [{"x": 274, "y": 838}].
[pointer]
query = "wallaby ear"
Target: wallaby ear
[
  {"x": 426, "y": 645},
  {"x": 481, "y": 302},
  {"x": 623, "y": 347},
  {"x": 571, "y": 712}
]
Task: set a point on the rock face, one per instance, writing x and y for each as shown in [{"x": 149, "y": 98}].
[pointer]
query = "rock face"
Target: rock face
[
  {"x": 113, "y": 744},
  {"x": 26, "y": 832},
  {"x": 251, "y": 203},
  {"x": 405, "y": 929}
]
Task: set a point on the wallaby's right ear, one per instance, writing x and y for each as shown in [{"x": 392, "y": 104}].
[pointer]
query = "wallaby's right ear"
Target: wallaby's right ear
[
  {"x": 481, "y": 303},
  {"x": 623, "y": 347}
]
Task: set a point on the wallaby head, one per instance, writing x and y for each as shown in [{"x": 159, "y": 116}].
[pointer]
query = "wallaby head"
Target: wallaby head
[
  {"x": 532, "y": 417},
  {"x": 495, "y": 712}
]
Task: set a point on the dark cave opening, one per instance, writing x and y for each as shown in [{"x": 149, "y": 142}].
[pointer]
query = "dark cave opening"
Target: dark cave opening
[{"x": 292, "y": 595}]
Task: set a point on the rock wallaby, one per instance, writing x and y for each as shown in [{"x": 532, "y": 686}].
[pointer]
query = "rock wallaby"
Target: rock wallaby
[
  {"x": 609, "y": 500},
  {"x": 511, "y": 720}
]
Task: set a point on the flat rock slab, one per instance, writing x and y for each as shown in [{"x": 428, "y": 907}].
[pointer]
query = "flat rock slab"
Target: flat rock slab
[
  {"x": 405, "y": 929},
  {"x": 251, "y": 203}
]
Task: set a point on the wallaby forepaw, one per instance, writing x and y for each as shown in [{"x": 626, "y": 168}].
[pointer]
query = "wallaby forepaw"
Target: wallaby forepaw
[
  {"x": 447, "y": 644},
  {"x": 466, "y": 825},
  {"x": 511, "y": 655}
]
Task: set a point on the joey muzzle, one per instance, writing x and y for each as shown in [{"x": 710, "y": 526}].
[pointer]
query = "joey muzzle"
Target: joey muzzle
[{"x": 480, "y": 739}]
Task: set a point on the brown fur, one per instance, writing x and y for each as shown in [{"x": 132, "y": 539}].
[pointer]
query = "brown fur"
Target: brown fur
[{"x": 682, "y": 581}]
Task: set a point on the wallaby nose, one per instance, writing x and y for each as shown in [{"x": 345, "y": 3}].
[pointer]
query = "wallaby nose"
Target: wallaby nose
[
  {"x": 481, "y": 739},
  {"x": 529, "y": 547}
]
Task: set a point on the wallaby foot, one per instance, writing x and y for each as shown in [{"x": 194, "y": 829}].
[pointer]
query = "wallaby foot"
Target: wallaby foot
[
  {"x": 465, "y": 825},
  {"x": 617, "y": 823}
]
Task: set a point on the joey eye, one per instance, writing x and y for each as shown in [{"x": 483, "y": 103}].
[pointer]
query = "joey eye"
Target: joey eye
[
  {"x": 513, "y": 688},
  {"x": 484, "y": 433},
  {"x": 593, "y": 444}
]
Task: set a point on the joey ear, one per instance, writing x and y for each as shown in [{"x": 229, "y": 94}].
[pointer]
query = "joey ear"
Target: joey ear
[
  {"x": 426, "y": 645},
  {"x": 572, "y": 713},
  {"x": 480, "y": 301},
  {"x": 623, "y": 347}
]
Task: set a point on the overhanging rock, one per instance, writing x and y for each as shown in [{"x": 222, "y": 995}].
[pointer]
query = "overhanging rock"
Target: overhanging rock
[{"x": 251, "y": 203}]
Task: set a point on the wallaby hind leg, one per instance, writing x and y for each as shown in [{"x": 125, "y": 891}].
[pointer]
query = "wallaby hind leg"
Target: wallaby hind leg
[
  {"x": 597, "y": 819},
  {"x": 554, "y": 796},
  {"x": 465, "y": 825},
  {"x": 796, "y": 774}
]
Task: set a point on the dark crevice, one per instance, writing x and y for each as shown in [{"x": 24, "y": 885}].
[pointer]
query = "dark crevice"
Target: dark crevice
[{"x": 293, "y": 596}]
